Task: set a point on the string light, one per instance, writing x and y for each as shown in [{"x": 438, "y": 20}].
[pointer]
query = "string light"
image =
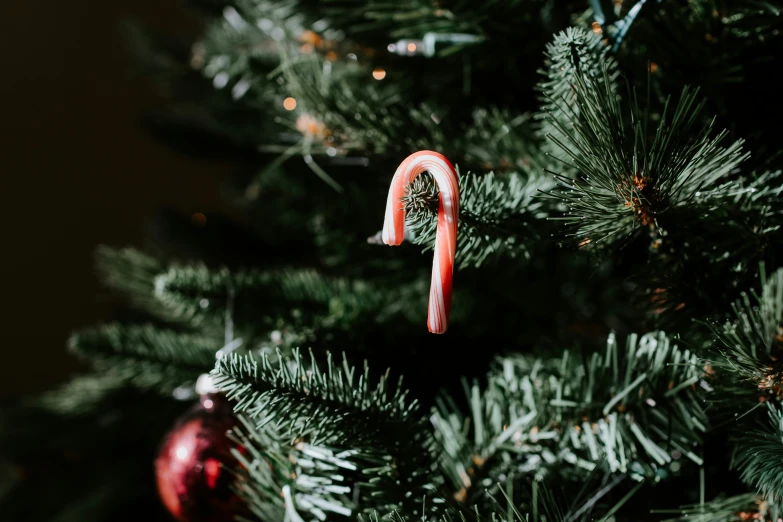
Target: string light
[
  {"x": 289, "y": 104},
  {"x": 426, "y": 46},
  {"x": 379, "y": 73},
  {"x": 597, "y": 28},
  {"x": 311, "y": 127},
  {"x": 310, "y": 37}
]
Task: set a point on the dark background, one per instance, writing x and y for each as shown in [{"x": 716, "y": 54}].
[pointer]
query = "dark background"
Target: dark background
[{"x": 77, "y": 170}]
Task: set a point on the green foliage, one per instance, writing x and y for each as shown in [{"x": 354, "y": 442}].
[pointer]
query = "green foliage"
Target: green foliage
[
  {"x": 264, "y": 469},
  {"x": 748, "y": 347},
  {"x": 203, "y": 296},
  {"x": 198, "y": 294},
  {"x": 721, "y": 509},
  {"x": 316, "y": 397},
  {"x": 375, "y": 430},
  {"x": 422, "y": 16},
  {"x": 253, "y": 54},
  {"x": 332, "y": 116},
  {"x": 82, "y": 394},
  {"x": 760, "y": 457},
  {"x": 574, "y": 53},
  {"x": 279, "y": 479},
  {"x": 146, "y": 356},
  {"x": 692, "y": 213},
  {"x": 131, "y": 272},
  {"x": 502, "y": 141},
  {"x": 627, "y": 410},
  {"x": 746, "y": 378},
  {"x": 496, "y": 215},
  {"x": 629, "y": 175},
  {"x": 726, "y": 41},
  {"x": 547, "y": 507},
  {"x": 370, "y": 120},
  {"x": 744, "y": 217}
]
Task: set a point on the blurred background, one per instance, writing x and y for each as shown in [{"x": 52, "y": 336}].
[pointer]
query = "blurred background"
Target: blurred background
[{"x": 81, "y": 171}]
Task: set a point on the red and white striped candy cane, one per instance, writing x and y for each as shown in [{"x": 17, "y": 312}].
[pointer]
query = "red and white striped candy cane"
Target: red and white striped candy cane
[{"x": 446, "y": 236}]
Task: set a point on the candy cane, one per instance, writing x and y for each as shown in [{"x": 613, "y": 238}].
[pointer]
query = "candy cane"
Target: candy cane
[{"x": 446, "y": 235}]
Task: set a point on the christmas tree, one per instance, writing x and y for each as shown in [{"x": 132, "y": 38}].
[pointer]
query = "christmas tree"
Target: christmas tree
[{"x": 614, "y": 348}]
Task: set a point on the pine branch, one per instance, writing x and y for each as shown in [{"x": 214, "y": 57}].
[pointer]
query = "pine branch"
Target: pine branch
[
  {"x": 315, "y": 482},
  {"x": 375, "y": 119},
  {"x": 625, "y": 410},
  {"x": 545, "y": 507},
  {"x": 722, "y": 235},
  {"x": 748, "y": 348},
  {"x": 747, "y": 375},
  {"x": 198, "y": 294},
  {"x": 723, "y": 510},
  {"x": 295, "y": 391},
  {"x": 332, "y": 116},
  {"x": 82, "y": 394},
  {"x": 631, "y": 177},
  {"x": 501, "y": 141},
  {"x": 744, "y": 216},
  {"x": 377, "y": 429},
  {"x": 278, "y": 479},
  {"x": 238, "y": 51},
  {"x": 574, "y": 53},
  {"x": 497, "y": 215},
  {"x": 131, "y": 272},
  {"x": 760, "y": 456},
  {"x": 264, "y": 469},
  {"x": 146, "y": 356},
  {"x": 258, "y": 299},
  {"x": 743, "y": 29},
  {"x": 422, "y": 16}
]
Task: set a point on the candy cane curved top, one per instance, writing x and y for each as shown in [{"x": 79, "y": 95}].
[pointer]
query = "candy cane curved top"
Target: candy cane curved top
[{"x": 446, "y": 235}]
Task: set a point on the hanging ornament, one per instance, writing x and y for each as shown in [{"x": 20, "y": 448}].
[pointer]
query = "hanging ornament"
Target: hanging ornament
[
  {"x": 430, "y": 44},
  {"x": 192, "y": 467},
  {"x": 446, "y": 235}
]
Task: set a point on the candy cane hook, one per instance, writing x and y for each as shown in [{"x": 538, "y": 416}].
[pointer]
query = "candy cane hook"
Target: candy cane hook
[{"x": 446, "y": 235}]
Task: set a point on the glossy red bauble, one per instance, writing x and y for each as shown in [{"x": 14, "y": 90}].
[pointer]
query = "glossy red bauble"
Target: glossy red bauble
[{"x": 192, "y": 468}]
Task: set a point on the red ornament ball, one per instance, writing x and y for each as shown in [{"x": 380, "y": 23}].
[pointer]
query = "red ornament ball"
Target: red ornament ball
[{"x": 192, "y": 468}]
